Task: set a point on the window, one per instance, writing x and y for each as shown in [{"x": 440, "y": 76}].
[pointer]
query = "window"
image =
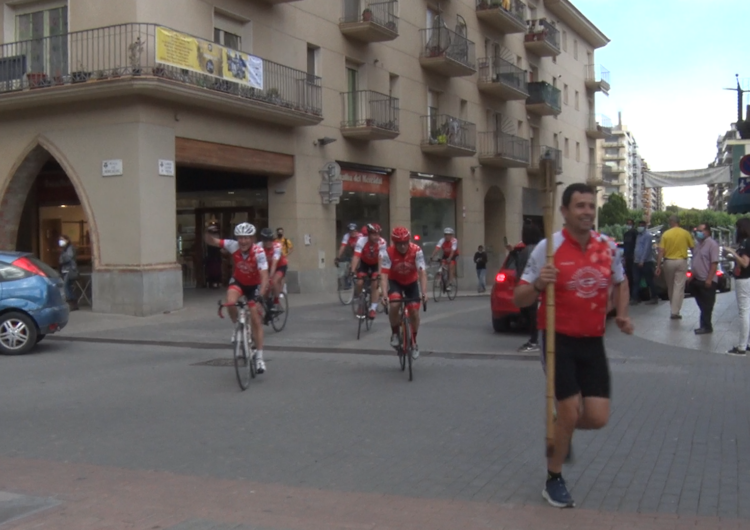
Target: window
[
  {"x": 463, "y": 112},
  {"x": 575, "y": 49},
  {"x": 231, "y": 31},
  {"x": 554, "y": 82},
  {"x": 567, "y": 148},
  {"x": 46, "y": 55},
  {"x": 352, "y": 100},
  {"x": 565, "y": 41},
  {"x": 578, "y": 151},
  {"x": 556, "y": 141},
  {"x": 230, "y": 40},
  {"x": 432, "y": 109},
  {"x": 576, "y": 101},
  {"x": 519, "y": 130},
  {"x": 393, "y": 85},
  {"x": 565, "y": 94},
  {"x": 313, "y": 59}
]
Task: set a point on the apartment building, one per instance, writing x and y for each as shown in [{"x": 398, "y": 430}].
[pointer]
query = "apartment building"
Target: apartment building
[
  {"x": 130, "y": 124},
  {"x": 718, "y": 194},
  {"x": 622, "y": 165}
]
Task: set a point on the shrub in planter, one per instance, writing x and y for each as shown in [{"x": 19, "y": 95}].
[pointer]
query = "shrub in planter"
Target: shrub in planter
[
  {"x": 80, "y": 76},
  {"x": 37, "y": 79}
]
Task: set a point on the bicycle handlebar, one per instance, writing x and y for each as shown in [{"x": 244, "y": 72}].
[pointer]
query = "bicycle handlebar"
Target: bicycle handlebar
[{"x": 238, "y": 303}]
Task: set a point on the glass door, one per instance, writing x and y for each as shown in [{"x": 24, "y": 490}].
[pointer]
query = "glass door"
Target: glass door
[{"x": 47, "y": 32}]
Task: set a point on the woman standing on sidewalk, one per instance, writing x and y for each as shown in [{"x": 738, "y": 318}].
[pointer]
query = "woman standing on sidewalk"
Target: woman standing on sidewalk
[{"x": 742, "y": 282}]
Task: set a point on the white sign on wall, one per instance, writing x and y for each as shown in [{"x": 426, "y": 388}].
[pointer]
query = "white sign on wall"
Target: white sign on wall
[
  {"x": 111, "y": 168},
  {"x": 166, "y": 168}
]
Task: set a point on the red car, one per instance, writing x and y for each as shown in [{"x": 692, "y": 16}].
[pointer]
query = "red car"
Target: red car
[{"x": 504, "y": 312}]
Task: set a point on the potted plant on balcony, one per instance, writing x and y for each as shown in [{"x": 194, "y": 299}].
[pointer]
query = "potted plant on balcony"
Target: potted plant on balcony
[
  {"x": 37, "y": 79},
  {"x": 80, "y": 75},
  {"x": 135, "y": 50},
  {"x": 367, "y": 15},
  {"x": 273, "y": 95},
  {"x": 482, "y": 4}
]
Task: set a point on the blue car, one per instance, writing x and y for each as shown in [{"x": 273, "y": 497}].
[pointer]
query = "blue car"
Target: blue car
[{"x": 32, "y": 302}]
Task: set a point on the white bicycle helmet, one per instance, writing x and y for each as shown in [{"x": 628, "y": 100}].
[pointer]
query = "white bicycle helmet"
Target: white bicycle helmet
[
  {"x": 244, "y": 229},
  {"x": 448, "y": 231}
]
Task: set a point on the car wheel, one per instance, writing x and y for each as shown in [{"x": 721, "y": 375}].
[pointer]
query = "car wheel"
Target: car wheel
[
  {"x": 18, "y": 334},
  {"x": 500, "y": 324}
]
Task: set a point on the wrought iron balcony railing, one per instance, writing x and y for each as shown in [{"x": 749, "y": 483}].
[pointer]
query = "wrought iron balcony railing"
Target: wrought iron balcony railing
[
  {"x": 367, "y": 108},
  {"x": 514, "y": 8},
  {"x": 541, "y": 92},
  {"x": 541, "y": 151},
  {"x": 504, "y": 145},
  {"x": 130, "y": 50},
  {"x": 498, "y": 70},
  {"x": 541, "y": 30},
  {"x": 381, "y": 13},
  {"x": 591, "y": 76},
  {"x": 442, "y": 42},
  {"x": 442, "y": 129}
]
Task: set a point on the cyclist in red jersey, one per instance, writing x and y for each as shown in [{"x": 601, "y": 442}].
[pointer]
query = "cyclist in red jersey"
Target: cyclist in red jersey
[
  {"x": 249, "y": 278},
  {"x": 277, "y": 263},
  {"x": 449, "y": 246},
  {"x": 348, "y": 242},
  {"x": 403, "y": 274},
  {"x": 365, "y": 263}
]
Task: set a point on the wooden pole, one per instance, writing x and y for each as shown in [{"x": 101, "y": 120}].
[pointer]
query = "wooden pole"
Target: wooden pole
[{"x": 550, "y": 188}]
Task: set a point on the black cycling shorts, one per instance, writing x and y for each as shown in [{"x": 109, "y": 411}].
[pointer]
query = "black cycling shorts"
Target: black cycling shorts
[
  {"x": 248, "y": 291},
  {"x": 365, "y": 269},
  {"x": 281, "y": 270},
  {"x": 580, "y": 367},
  {"x": 398, "y": 291}
]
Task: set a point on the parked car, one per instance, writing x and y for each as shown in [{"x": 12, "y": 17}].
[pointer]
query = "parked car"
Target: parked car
[
  {"x": 723, "y": 278},
  {"x": 505, "y": 314},
  {"x": 32, "y": 302}
]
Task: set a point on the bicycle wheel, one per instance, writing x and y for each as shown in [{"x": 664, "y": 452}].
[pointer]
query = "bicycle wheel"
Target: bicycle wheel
[
  {"x": 368, "y": 320},
  {"x": 242, "y": 359},
  {"x": 453, "y": 289},
  {"x": 280, "y": 312},
  {"x": 360, "y": 312},
  {"x": 406, "y": 342},
  {"x": 437, "y": 287},
  {"x": 345, "y": 290}
]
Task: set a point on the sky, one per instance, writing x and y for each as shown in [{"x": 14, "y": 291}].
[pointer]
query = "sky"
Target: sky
[{"x": 669, "y": 61}]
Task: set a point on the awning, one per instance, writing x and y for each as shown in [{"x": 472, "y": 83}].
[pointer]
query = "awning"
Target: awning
[
  {"x": 691, "y": 177},
  {"x": 738, "y": 203}
]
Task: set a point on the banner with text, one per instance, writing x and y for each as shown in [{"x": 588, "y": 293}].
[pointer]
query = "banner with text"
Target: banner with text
[
  {"x": 364, "y": 181},
  {"x": 205, "y": 57}
]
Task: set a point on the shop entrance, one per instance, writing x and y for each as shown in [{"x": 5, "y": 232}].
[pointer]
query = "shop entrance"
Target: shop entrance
[
  {"x": 227, "y": 199},
  {"x": 433, "y": 208},
  {"x": 365, "y": 200}
]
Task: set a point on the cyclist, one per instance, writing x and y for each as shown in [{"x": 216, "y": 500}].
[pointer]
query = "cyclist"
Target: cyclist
[
  {"x": 349, "y": 241},
  {"x": 449, "y": 245},
  {"x": 277, "y": 264},
  {"x": 249, "y": 278},
  {"x": 403, "y": 275},
  {"x": 365, "y": 263}
]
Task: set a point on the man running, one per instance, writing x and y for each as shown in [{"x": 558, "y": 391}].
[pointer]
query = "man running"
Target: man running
[
  {"x": 249, "y": 279},
  {"x": 403, "y": 275},
  {"x": 586, "y": 266},
  {"x": 365, "y": 264},
  {"x": 448, "y": 244}
]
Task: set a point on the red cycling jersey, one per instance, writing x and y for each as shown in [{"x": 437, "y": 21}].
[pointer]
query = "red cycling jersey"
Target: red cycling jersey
[
  {"x": 402, "y": 268},
  {"x": 448, "y": 246},
  {"x": 368, "y": 251},
  {"x": 350, "y": 240},
  {"x": 247, "y": 266},
  {"x": 583, "y": 283},
  {"x": 275, "y": 253}
]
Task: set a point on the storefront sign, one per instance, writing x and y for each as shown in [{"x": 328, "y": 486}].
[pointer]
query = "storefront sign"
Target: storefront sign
[
  {"x": 364, "y": 181},
  {"x": 435, "y": 189},
  {"x": 205, "y": 57},
  {"x": 166, "y": 168},
  {"x": 54, "y": 189},
  {"x": 111, "y": 168}
]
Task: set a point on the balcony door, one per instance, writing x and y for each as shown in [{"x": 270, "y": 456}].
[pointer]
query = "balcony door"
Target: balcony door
[
  {"x": 46, "y": 29},
  {"x": 352, "y": 86}
]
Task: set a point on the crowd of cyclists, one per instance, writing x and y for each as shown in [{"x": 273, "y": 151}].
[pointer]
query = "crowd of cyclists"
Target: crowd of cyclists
[{"x": 396, "y": 272}]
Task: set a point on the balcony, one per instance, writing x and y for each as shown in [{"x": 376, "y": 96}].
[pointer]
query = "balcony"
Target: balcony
[
  {"x": 499, "y": 78},
  {"x": 499, "y": 149},
  {"x": 376, "y": 23},
  {"x": 444, "y": 135},
  {"x": 540, "y": 151},
  {"x": 614, "y": 169},
  {"x": 447, "y": 53},
  {"x": 595, "y": 175},
  {"x": 598, "y": 127},
  {"x": 509, "y": 16},
  {"x": 127, "y": 60},
  {"x": 613, "y": 156},
  {"x": 594, "y": 83},
  {"x": 544, "y": 99},
  {"x": 613, "y": 141},
  {"x": 369, "y": 115},
  {"x": 542, "y": 38}
]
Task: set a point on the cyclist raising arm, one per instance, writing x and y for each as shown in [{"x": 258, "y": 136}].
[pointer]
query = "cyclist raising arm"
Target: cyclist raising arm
[
  {"x": 449, "y": 245},
  {"x": 403, "y": 275},
  {"x": 249, "y": 278},
  {"x": 365, "y": 263}
]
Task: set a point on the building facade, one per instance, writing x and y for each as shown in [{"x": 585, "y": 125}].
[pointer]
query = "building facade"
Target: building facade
[
  {"x": 129, "y": 125},
  {"x": 718, "y": 194}
]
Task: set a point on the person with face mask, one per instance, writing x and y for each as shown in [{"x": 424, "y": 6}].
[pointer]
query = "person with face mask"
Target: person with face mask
[
  {"x": 644, "y": 266},
  {"x": 286, "y": 244},
  {"x": 702, "y": 281},
  {"x": 68, "y": 269}
]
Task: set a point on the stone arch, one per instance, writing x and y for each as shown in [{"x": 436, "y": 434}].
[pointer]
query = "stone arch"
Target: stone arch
[
  {"x": 14, "y": 190},
  {"x": 494, "y": 227}
]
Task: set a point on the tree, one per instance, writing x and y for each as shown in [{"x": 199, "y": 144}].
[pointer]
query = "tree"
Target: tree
[{"x": 614, "y": 212}]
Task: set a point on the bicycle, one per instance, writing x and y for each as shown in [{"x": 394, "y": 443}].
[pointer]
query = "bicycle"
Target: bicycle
[
  {"x": 362, "y": 306},
  {"x": 243, "y": 346},
  {"x": 441, "y": 285},
  {"x": 406, "y": 345},
  {"x": 275, "y": 311},
  {"x": 345, "y": 284}
]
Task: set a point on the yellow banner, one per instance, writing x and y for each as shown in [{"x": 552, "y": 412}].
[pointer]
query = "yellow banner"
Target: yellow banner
[{"x": 204, "y": 57}]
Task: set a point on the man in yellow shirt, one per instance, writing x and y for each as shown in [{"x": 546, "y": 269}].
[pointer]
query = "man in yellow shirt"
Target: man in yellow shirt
[
  {"x": 673, "y": 253},
  {"x": 286, "y": 244}
]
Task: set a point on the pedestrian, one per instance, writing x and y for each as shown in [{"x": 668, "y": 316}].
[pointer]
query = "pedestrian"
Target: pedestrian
[
  {"x": 530, "y": 237},
  {"x": 673, "y": 254},
  {"x": 68, "y": 270},
  {"x": 628, "y": 249},
  {"x": 480, "y": 258},
  {"x": 585, "y": 268},
  {"x": 742, "y": 282},
  {"x": 286, "y": 244},
  {"x": 702, "y": 282},
  {"x": 644, "y": 266}
]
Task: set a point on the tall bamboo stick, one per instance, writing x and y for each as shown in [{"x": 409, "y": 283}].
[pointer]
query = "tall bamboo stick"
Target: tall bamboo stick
[{"x": 550, "y": 188}]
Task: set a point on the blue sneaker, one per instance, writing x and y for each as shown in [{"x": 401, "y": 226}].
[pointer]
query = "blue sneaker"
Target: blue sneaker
[{"x": 556, "y": 493}]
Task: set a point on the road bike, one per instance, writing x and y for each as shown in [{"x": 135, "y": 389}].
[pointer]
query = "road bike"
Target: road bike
[
  {"x": 361, "y": 306},
  {"x": 406, "y": 337},
  {"x": 243, "y": 346},
  {"x": 441, "y": 285},
  {"x": 275, "y": 311},
  {"x": 345, "y": 283}
]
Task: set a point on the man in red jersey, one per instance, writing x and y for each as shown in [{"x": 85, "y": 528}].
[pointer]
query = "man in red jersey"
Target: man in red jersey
[
  {"x": 348, "y": 242},
  {"x": 586, "y": 266},
  {"x": 249, "y": 278},
  {"x": 277, "y": 264},
  {"x": 365, "y": 263},
  {"x": 448, "y": 245},
  {"x": 403, "y": 275}
]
